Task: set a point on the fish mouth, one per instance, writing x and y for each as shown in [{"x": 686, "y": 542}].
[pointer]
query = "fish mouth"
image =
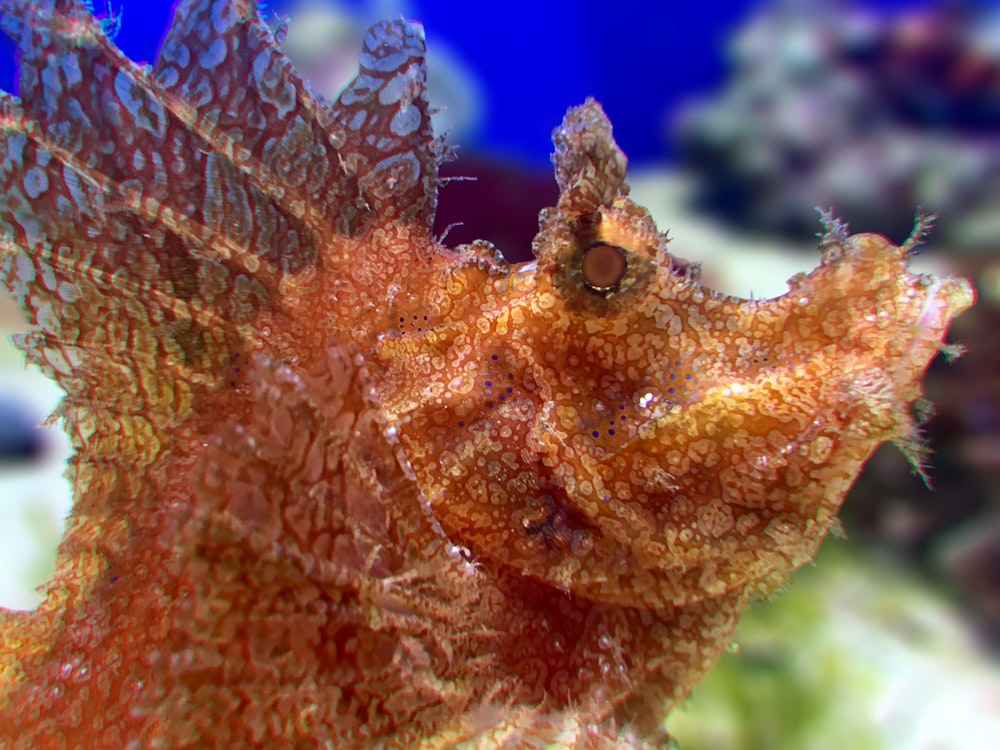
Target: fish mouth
[
  {"x": 925, "y": 305},
  {"x": 944, "y": 298}
]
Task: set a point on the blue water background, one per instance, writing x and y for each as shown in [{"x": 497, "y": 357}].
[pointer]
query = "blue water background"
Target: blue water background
[{"x": 533, "y": 59}]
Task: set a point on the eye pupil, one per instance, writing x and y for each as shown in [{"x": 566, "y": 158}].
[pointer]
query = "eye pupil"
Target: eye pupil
[{"x": 604, "y": 267}]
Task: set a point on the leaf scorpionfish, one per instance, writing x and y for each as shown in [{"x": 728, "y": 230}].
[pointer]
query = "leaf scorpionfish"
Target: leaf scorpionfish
[{"x": 338, "y": 485}]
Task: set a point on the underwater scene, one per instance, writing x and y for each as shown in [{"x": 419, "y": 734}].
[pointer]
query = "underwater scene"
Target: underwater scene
[{"x": 520, "y": 375}]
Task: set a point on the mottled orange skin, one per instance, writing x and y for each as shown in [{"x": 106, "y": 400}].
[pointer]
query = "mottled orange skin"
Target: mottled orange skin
[{"x": 338, "y": 485}]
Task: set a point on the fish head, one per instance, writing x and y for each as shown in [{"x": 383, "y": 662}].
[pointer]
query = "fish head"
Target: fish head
[{"x": 600, "y": 420}]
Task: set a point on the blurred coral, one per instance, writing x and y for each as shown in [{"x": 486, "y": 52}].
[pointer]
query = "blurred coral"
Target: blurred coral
[{"x": 830, "y": 103}]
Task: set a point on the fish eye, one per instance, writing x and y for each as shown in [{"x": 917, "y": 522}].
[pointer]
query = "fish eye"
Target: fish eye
[{"x": 603, "y": 267}]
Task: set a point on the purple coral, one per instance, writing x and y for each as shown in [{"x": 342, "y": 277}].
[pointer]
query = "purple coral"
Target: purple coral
[{"x": 830, "y": 103}]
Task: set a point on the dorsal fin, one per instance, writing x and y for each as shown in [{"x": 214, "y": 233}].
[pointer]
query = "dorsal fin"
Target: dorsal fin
[
  {"x": 389, "y": 142},
  {"x": 232, "y": 84},
  {"x": 144, "y": 253},
  {"x": 189, "y": 201}
]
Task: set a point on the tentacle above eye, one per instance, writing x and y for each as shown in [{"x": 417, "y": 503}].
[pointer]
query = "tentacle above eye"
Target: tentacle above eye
[{"x": 590, "y": 168}]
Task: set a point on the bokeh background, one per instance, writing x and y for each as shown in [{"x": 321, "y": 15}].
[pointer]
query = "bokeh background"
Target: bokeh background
[{"x": 738, "y": 118}]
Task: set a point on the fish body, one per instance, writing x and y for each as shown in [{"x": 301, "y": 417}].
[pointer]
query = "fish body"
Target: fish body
[{"x": 338, "y": 485}]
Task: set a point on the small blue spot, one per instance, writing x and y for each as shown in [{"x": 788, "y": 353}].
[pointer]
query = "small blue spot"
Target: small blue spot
[
  {"x": 595, "y": 433},
  {"x": 461, "y": 424},
  {"x": 489, "y": 383},
  {"x": 489, "y": 404},
  {"x": 611, "y": 432},
  {"x": 671, "y": 390},
  {"x": 494, "y": 358}
]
